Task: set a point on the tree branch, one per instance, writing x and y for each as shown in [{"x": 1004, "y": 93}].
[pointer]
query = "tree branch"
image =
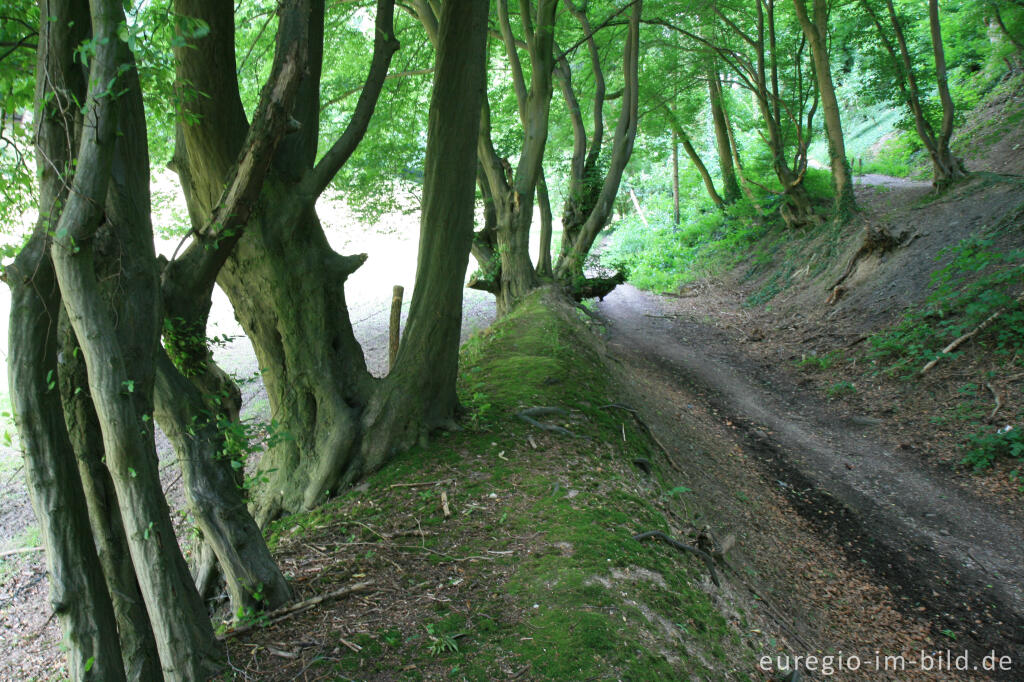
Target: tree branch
[{"x": 384, "y": 47}]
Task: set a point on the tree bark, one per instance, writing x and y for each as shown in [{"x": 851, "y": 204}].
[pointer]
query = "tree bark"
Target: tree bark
[
  {"x": 952, "y": 168},
  {"x": 675, "y": 179},
  {"x": 138, "y": 648},
  {"x": 730, "y": 186},
  {"x": 816, "y": 31},
  {"x": 212, "y": 490},
  {"x": 544, "y": 257},
  {"x": 78, "y": 593},
  {"x": 419, "y": 393},
  {"x": 118, "y": 354}
]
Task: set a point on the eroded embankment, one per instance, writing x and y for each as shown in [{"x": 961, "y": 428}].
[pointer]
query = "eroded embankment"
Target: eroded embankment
[{"x": 936, "y": 553}]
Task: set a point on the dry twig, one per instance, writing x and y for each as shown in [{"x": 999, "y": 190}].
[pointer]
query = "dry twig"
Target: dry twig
[{"x": 292, "y": 610}]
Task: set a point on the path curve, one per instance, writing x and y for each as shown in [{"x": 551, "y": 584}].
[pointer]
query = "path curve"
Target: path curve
[{"x": 933, "y": 543}]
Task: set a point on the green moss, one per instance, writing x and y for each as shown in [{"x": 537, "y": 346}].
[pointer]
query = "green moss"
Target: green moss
[{"x": 564, "y": 591}]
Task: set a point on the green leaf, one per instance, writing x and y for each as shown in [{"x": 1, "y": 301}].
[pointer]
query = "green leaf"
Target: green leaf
[{"x": 89, "y": 663}]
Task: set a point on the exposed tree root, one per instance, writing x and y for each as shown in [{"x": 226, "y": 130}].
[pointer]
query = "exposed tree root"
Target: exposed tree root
[
  {"x": 877, "y": 239},
  {"x": 597, "y": 287},
  {"x": 682, "y": 547},
  {"x": 528, "y": 415}
]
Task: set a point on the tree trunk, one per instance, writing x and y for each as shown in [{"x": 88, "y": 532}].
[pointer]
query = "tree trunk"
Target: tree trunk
[
  {"x": 949, "y": 168},
  {"x": 796, "y": 209},
  {"x": 419, "y": 393},
  {"x": 817, "y": 36},
  {"x": 78, "y": 594},
  {"x": 118, "y": 354},
  {"x": 283, "y": 279},
  {"x": 544, "y": 255},
  {"x": 945, "y": 167},
  {"x": 730, "y": 186},
  {"x": 698, "y": 163},
  {"x": 138, "y": 648},
  {"x": 213, "y": 493},
  {"x": 675, "y": 179},
  {"x": 569, "y": 270}
]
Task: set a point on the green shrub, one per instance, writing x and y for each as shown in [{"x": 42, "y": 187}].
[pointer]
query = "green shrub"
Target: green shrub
[
  {"x": 979, "y": 280},
  {"x": 984, "y": 447}
]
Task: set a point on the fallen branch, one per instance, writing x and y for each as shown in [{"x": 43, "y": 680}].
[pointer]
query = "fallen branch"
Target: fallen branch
[
  {"x": 449, "y": 557},
  {"x": 528, "y": 415},
  {"x": 292, "y": 610},
  {"x": 969, "y": 335},
  {"x": 23, "y": 550},
  {"x": 422, "y": 483},
  {"x": 704, "y": 556},
  {"x": 999, "y": 403}
]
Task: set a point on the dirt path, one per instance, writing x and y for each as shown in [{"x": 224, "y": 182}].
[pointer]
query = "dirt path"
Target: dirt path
[{"x": 949, "y": 557}]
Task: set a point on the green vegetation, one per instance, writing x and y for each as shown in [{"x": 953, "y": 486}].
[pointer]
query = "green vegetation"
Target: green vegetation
[
  {"x": 980, "y": 280},
  {"x": 985, "y": 446},
  {"x": 558, "y": 569},
  {"x": 662, "y": 257}
]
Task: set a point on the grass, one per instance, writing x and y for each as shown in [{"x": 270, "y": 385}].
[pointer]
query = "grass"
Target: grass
[{"x": 561, "y": 590}]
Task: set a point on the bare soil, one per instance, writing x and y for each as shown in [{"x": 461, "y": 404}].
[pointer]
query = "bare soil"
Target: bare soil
[{"x": 916, "y": 552}]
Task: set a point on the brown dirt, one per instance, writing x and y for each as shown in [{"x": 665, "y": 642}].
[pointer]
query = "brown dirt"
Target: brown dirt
[{"x": 864, "y": 484}]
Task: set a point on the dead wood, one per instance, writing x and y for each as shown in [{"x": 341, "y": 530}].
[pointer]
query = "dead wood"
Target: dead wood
[
  {"x": 877, "y": 239},
  {"x": 292, "y": 610},
  {"x": 969, "y": 335}
]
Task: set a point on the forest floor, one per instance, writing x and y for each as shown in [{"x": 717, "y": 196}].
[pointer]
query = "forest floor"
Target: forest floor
[
  {"x": 863, "y": 464},
  {"x": 29, "y": 636}
]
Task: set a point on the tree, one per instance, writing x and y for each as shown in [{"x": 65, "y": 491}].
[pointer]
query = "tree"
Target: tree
[
  {"x": 95, "y": 221},
  {"x": 502, "y": 246},
  {"x": 269, "y": 253},
  {"x": 946, "y": 168},
  {"x": 815, "y": 27},
  {"x": 748, "y": 44},
  {"x": 590, "y": 198}
]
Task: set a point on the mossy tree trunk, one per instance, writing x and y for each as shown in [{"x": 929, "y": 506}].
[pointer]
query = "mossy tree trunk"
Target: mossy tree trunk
[
  {"x": 138, "y": 648},
  {"x": 105, "y": 220},
  {"x": 287, "y": 285},
  {"x": 419, "y": 392}
]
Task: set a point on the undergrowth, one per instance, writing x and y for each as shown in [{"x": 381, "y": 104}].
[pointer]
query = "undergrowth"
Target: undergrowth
[{"x": 979, "y": 281}]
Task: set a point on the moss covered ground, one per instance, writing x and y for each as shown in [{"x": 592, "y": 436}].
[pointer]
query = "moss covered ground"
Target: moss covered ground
[{"x": 534, "y": 574}]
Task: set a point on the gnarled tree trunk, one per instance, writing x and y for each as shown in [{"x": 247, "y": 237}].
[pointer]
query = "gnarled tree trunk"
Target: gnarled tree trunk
[{"x": 576, "y": 243}]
